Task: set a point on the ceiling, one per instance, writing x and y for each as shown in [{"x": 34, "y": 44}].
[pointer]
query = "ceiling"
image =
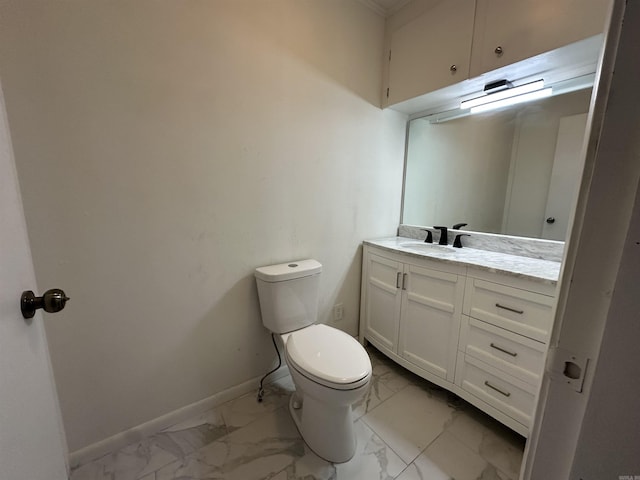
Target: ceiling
[{"x": 385, "y": 7}]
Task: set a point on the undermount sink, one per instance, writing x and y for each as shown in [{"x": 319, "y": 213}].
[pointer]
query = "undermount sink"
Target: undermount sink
[{"x": 429, "y": 247}]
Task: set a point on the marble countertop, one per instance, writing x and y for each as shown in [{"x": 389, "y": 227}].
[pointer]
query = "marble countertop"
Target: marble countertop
[{"x": 544, "y": 271}]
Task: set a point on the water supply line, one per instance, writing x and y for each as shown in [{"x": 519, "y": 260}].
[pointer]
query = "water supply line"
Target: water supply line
[{"x": 260, "y": 389}]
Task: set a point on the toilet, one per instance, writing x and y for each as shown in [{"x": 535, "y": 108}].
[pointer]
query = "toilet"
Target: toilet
[{"x": 330, "y": 369}]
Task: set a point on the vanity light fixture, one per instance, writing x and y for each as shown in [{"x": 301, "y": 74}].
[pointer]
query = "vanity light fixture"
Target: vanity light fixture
[
  {"x": 505, "y": 93},
  {"x": 505, "y": 102}
]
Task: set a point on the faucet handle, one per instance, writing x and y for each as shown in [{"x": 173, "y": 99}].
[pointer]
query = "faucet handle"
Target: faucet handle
[
  {"x": 457, "y": 243},
  {"x": 458, "y": 226},
  {"x": 444, "y": 239},
  {"x": 429, "y": 238}
]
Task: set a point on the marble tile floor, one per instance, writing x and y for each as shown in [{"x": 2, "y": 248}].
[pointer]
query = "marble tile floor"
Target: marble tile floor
[{"x": 407, "y": 428}]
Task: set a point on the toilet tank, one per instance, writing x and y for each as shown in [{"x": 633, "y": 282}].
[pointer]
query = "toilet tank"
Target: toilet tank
[{"x": 288, "y": 294}]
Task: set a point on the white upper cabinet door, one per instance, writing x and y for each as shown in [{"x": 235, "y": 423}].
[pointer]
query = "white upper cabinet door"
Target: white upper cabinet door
[
  {"x": 507, "y": 31},
  {"x": 432, "y": 51}
]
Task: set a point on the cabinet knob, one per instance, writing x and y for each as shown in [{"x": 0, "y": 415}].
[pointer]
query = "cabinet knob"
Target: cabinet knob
[
  {"x": 498, "y": 51},
  {"x": 453, "y": 68}
]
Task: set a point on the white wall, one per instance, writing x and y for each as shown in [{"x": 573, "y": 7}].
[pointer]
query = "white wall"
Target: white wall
[{"x": 166, "y": 149}]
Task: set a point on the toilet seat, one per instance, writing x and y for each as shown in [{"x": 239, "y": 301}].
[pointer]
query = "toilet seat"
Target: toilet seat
[{"x": 329, "y": 357}]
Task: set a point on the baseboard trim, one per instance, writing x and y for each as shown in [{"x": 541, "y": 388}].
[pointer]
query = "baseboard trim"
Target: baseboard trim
[{"x": 139, "y": 432}]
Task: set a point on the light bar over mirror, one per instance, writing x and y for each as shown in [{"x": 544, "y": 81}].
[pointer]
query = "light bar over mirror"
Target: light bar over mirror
[
  {"x": 506, "y": 102},
  {"x": 503, "y": 94},
  {"x": 498, "y": 98}
]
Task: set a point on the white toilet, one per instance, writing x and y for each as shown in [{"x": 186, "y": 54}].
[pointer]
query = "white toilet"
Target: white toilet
[{"x": 330, "y": 369}]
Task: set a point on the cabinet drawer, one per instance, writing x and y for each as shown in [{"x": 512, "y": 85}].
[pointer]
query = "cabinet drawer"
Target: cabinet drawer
[
  {"x": 520, "y": 311},
  {"x": 514, "y": 354},
  {"x": 511, "y": 396}
]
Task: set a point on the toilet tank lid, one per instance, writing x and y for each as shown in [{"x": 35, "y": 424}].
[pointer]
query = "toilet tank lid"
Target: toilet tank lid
[{"x": 289, "y": 270}]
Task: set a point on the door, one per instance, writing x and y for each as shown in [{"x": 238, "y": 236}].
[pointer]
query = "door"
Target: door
[
  {"x": 586, "y": 424},
  {"x": 565, "y": 176},
  {"x": 32, "y": 445}
]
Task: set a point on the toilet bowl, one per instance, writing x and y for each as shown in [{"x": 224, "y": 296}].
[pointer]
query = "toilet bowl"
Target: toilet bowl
[{"x": 330, "y": 369}]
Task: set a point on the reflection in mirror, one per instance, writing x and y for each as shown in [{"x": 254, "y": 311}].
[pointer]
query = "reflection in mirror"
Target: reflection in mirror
[{"x": 514, "y": 171}]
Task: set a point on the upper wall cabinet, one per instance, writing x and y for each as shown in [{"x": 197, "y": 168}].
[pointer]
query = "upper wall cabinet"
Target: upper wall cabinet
[
  {"x": 507, "y": 31},
  {"x": 432, "y": 51},
  {"x": 454, "y": 40}
]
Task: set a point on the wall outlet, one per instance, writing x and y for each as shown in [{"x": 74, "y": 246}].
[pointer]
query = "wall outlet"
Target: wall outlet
[{"x": 338, "y": 312}]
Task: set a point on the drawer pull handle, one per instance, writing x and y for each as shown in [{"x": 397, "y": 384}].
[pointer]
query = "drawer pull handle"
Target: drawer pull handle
[
  {"x": 404, "y": 281},
  {"x": 398, "y": 279},
  {"x": 503, "y": 350},
  {"x": 514, "y": 310},
  {"x": 499, "y": 390}
]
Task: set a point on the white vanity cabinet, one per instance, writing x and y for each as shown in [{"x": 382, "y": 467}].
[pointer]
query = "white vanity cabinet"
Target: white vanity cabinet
[
  {"x": 503, "y": 341},
  {"x": 412, "y": 310},
  {"x": 506, "y": 32},
  {"x": 480, "y": 334}
]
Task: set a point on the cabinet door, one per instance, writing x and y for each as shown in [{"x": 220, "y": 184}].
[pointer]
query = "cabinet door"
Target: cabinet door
[
  {"x": 424, "y": 50},
  {"x": 382, "y": 314},
  {"x": 525, "y": 28},
  {"x": 430, "y": 324}
]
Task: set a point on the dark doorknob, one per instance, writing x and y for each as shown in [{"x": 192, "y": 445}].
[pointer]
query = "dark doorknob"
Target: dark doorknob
[
  {"x": 550, "y": 220},
  {"x": 52, "y": 301}
]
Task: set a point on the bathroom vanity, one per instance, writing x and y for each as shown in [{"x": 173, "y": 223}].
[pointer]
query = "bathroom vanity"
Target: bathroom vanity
[
  {"x": 475, "y": 322},
  {"x": 479, "y": 150}
]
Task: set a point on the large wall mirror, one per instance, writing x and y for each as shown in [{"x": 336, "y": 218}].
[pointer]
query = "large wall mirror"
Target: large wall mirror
[{"x": 514, "y": 171}]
